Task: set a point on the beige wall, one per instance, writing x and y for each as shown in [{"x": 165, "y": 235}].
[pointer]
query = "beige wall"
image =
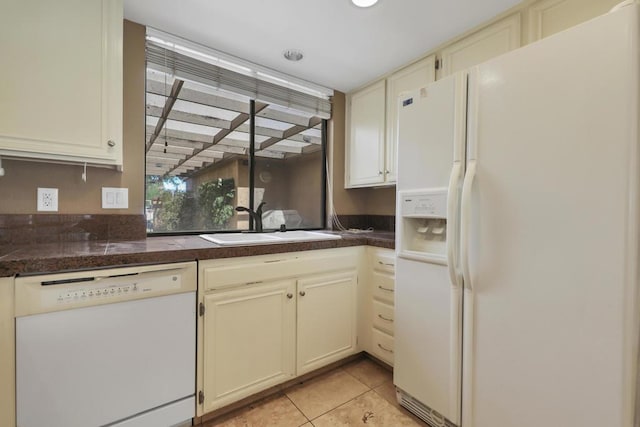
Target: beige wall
[
  {"x": 22, "y": 178},
  {"x": 304, "y": 186}
]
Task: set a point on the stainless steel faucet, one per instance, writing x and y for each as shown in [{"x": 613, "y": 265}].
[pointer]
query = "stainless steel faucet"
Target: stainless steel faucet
[{"x": 255, "y": 216}]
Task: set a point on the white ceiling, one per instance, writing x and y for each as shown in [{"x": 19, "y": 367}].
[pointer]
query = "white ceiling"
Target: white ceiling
[{"x": 344, "y": 46}]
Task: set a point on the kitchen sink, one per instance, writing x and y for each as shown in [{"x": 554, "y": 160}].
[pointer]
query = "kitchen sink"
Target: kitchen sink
[
  {"x": 291, "y": 236},
  {"x": 237, "y": 239}
]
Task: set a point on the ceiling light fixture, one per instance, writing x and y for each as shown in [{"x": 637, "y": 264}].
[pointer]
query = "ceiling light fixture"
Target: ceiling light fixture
[
  {"x": 364, "y": 3},
  {"x": 293, "y": 55}
]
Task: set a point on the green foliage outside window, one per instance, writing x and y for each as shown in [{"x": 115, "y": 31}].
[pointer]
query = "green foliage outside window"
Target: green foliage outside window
[{"x": 209, "y": 207}]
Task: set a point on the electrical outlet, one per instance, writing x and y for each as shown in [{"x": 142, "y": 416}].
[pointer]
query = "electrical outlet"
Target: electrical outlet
[{"x": 48, "y": 199}]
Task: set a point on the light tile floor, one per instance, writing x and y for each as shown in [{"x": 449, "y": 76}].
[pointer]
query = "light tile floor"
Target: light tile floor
[{"x": 359, "y": 393}]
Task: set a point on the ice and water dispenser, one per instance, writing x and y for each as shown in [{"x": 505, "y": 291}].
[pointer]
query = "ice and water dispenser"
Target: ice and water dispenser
[{"x": 423, "y": 227}]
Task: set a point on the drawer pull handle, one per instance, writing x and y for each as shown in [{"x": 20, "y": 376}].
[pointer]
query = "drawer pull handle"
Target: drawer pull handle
[
  {"x": 289, "y": 295},
  {"x": 390, "y": 264},
  {"x": 254, "y": 283},
  {"x": 385, "y": 289},
  {"x": 385, "y": 318},
  {"x": 385, "y": 349}
]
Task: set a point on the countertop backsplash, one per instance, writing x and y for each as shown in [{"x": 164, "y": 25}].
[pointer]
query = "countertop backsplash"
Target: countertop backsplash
[{"x": 21, "y": 229}]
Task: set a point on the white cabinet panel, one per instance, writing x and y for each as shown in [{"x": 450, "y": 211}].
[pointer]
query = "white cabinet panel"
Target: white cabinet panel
[
  {"x": 548, "y": 17},
  {"x": 412, "y": 77},
  {"x": 61, "y": 96},
  {"x": 481, "y": 46},
  {"x": 249, "y": 341},
  {"x": 365, "y": 155},
  {"x": 326, "y": 319}
]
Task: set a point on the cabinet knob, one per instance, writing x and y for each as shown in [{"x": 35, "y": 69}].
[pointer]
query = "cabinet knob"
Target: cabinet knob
[
  {"x": 379, "y": 172},
  {"x": 387, "y": 172},
  {"x": 289, "y": 295},
  {"x": 111, "y": 143},
  {"x": 302, "y": 293}
]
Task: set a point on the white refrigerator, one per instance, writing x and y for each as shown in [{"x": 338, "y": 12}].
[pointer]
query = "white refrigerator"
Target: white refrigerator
[{"x": 526, "y": 313}]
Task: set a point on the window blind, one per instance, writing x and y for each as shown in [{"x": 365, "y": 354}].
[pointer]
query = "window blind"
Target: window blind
[{"x": 185, "y": 62}]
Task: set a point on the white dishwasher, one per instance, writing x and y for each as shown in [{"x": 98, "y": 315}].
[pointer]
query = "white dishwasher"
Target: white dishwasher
[{"x": 107, "y": 348}]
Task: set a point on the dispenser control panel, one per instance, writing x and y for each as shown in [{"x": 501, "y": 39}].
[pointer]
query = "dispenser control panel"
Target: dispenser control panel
[{"x": 428, "y": 204}]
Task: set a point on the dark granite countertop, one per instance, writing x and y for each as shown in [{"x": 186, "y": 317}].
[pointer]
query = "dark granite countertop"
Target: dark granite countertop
[{"x": 67, "y": 256}]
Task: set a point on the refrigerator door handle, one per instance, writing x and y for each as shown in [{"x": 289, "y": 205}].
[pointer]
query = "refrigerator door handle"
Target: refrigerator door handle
[
  {"x": 452, "y": 226},
  {"x": 465, "y": 219}
]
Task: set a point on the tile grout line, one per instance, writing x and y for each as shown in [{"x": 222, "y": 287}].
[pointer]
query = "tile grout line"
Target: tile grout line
[
  {"x": 366, "y": 385},
  {"x": 340, "y": 405},
  {"x": 296, "y": 406}
]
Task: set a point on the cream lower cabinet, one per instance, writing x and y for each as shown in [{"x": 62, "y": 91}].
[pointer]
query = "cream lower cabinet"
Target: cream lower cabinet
[
  {"x": 250, "y": 341},
  {"x": 61, "y": 96},
  {"x": 7, "y": 353},
  {"x": 267, "y": 319},
  {"x": 326, "y": 319},
  {"x": 381, "y": 304}
]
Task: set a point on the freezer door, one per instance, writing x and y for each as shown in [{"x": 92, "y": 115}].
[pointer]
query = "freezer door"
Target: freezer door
[
  {"x": 430, "y": 133},
  {"x": 550, "y": 211},
  {"x": 428, "y": 298}
]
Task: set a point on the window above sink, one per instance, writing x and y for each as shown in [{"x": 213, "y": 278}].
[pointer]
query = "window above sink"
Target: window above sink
[{"x": 210, "y": 148}]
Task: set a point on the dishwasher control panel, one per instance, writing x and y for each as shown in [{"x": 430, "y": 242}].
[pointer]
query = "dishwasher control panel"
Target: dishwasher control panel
[
  {"x": 40, "y": 294},
  {"x": 83, "y": 293},
  {"x": 108, "y": 288}
]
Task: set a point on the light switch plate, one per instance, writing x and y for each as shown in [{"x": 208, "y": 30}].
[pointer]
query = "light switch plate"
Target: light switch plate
[
  {"x": 47, "y": 199},
  {"x": 115, "y": 198}
]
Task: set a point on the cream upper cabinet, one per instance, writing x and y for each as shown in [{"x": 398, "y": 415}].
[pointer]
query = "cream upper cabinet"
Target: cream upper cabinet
[
  {"x": 481, "y": 46},
  {"x": 366, "y": 136},
  {"x": 327, "y": 313},
  {"x": 249, "y": 341},
  {"x": 61, "y": 90},
  {"x": 548, "y": 17},
  {"x": 412, "y": 77}
]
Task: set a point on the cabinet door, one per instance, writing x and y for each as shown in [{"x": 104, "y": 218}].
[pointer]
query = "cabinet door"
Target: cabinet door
[
  {"x": 249, "y": 337},
  {"x": 412, "y": 77},
  {"x": 365, "y": 155},
  {"x": 481, "y": 46},
  {"x": 326, "y": 319},
  {"x": 548, "y": 17},
  {"x": 61, "y": 95}
]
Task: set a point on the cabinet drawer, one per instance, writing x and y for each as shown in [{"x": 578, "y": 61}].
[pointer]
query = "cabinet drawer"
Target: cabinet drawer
[
  {"x": 223, "y": 274},
  {"x": 384, "y": 262},
  {"x": 383, "y": 316},
  {"x": 382, "y": 346},
  {"x": 383, "y": 286}
]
